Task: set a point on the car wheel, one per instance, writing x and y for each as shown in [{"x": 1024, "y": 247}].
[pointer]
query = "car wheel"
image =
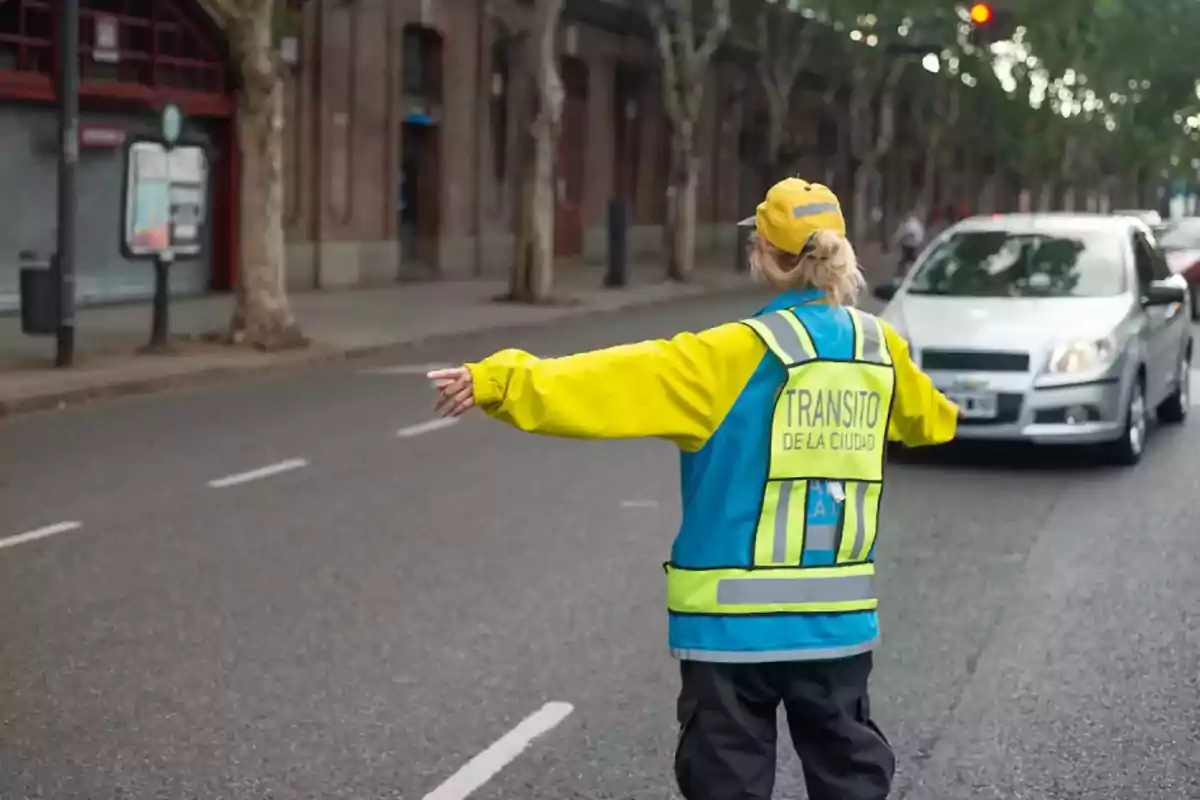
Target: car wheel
[
  {"x": 1127, "y": 449},
  {"x": 1174, "y": 409}
]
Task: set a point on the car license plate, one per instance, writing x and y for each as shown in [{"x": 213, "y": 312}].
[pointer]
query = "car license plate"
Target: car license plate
[{"x": 974, "y": 405}]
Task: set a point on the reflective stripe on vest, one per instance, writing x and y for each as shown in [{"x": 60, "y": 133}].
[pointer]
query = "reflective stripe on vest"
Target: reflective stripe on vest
[
  {"x": 786, "y": 590},
  {"x": 829, "y": 424},
  {"x": 783, "y": 535}
]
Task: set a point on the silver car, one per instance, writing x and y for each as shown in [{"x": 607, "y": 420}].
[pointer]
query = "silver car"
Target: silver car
[
  {"x": 1050, "y": 328},
  {"x": 1149, "y": 216}
]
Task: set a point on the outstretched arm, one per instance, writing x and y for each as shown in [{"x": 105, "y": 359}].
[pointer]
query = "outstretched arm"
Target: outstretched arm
[
  {"x": 678, "y": 389},
  {"x": 921, "y": 414}
]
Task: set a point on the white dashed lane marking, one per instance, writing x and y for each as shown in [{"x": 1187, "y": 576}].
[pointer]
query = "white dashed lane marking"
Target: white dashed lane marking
[
  {"x": 480, "y": 769},
  {"x": 639, "y": 504},
  {"x": 40, "y": 533},
  {"x": 420, "y": 370},
  {"x": 426, "y": 427},
  {"x": 258, "y": 474},
  {"x": 404, "y": 369}
]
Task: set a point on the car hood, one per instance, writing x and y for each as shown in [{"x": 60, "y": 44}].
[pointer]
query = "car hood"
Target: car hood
[{"x": 1028, "y": 324}]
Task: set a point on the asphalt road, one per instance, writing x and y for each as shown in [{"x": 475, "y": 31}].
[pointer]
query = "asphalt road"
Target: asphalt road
[{"x": 382, "y": 609}]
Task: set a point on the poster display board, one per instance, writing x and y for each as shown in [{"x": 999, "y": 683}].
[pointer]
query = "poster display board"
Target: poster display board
[{"x": 164, "y": 201}]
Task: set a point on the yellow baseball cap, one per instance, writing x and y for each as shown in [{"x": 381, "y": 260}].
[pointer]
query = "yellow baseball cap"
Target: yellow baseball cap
[{"x": 793, "y": 211}]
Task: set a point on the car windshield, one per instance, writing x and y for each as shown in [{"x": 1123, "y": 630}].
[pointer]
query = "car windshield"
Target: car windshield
[
  {"x": 1183, "y": 235},
  {"x": 1024, "y": 264}
]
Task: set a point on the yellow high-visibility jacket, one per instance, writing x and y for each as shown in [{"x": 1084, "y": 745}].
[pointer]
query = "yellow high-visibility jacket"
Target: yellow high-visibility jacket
[
  {"x": 678, "y": 389},
  {"x": 713, "y": 394}
]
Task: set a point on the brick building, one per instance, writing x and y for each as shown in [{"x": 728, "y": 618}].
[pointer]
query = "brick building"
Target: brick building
[
  {"x": 135, "y": 56},
  {"x": 401, "y": 135}
]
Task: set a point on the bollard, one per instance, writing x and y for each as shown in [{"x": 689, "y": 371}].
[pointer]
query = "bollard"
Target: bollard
[
  {"x": 742, "y": 253},
  {"x": 618, "y": 244}
]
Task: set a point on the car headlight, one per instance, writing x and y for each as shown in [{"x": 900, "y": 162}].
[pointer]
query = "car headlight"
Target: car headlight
[{"x": 1083, "y": 356}]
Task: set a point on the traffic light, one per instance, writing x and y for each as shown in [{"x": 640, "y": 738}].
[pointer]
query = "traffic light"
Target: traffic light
[
  {"x": 980, "y": 14},
  {"x": 989, "y": 24}
]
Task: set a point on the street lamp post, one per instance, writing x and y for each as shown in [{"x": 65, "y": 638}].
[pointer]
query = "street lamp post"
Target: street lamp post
[{"x": 68, "y": 156}]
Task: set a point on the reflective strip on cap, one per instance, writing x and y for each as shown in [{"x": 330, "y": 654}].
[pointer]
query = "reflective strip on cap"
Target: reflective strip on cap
[{"x": 811, "y": 209}]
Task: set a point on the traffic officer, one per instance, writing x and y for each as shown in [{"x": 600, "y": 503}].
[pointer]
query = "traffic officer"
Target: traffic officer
[{"x": 782, "y": 420}]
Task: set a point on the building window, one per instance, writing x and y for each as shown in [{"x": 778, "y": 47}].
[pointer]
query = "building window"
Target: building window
[
  {"x": 499, "y": 99},
  {"x": 422, "y": 63},
  {"x": 27, "y": 33},
  {"x": 158, "y": 43}
]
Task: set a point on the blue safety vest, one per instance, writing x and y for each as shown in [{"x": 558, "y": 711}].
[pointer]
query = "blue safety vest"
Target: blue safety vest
[{"x": 728, "y": 599}]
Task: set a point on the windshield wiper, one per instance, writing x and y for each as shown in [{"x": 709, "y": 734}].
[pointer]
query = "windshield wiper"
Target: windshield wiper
[{"x": 941, "y": 292}]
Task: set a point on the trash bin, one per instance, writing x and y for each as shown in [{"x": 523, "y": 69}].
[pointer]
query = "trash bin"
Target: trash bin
[{"x": 39, "y": 296}]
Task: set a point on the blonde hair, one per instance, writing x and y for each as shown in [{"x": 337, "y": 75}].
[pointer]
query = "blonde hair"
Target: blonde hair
[{"x": 827, "y": 263}]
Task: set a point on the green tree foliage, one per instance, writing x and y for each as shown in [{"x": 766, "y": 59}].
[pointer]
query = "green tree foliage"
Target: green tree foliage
[
  {"x": 1099, "y": 91},
  {"x": 1087, "y": 94}
]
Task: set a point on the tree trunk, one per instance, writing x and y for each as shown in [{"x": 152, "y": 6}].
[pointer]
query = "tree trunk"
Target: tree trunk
[
  {"x": 872, "y": 126},
  {"x": 776, "y": 125},
  {"x": 1045, "y": 200},
  {"x": 685, "y": 57},
  {"x": 682, "y": 207},
  {"x": 532, "y": 276},
  {"x": 262, "y": 316},
  {"x": 929, "y": 177},
  {"x": 862, "y": 199},
  {"x": 947, "y": 105}
]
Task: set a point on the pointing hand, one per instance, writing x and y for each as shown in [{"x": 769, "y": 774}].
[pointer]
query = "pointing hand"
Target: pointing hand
[{"x": 456, "y": 390}]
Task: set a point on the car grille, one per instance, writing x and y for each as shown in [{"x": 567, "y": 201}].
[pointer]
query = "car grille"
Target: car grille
[
  {"x": 1008, "y": 411},
  {"x": 975, "y": 360}
]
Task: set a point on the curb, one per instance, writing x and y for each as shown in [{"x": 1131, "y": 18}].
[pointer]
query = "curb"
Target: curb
[{"x": 315, "y": 356}]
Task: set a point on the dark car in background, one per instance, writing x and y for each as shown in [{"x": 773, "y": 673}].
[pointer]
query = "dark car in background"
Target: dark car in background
[{"x": 1181, "y": 244}]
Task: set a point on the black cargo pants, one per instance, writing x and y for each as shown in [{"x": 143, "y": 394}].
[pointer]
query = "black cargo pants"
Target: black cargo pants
[{"x": 727, "y": 730}]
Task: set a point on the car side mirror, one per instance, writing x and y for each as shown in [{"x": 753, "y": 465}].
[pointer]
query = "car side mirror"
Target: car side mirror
[
  {"x": 886, "y": 291},
  {"x": 1163, "y": 293}
]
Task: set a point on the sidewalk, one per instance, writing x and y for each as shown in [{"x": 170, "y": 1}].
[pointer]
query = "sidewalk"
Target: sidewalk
[{"x": 342, "y": 324}]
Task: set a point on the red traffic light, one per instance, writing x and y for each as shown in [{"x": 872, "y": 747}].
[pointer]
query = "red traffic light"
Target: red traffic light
[{"x": 981, "y": 13}]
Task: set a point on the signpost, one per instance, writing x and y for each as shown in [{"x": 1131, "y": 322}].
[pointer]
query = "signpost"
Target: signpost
[
  {"x": 63, "y": 263},
  {"x": 165, "y": 209}
]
